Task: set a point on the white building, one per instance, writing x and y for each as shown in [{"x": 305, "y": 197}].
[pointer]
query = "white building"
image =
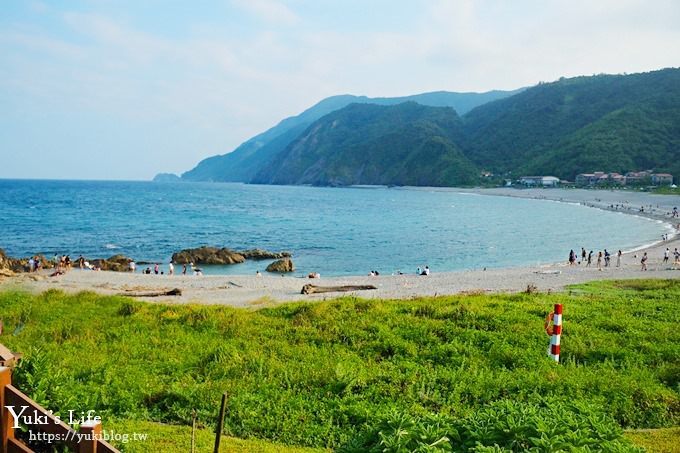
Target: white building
[{"x": 539, "y": 181}]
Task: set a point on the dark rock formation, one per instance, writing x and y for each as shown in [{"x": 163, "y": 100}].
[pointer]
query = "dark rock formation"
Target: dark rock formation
[
  {"x": 259, "y": 254},
  {"x": 284, "y": 265},
  {"x": 117, "y": 263},
  {"x": 208, "y": 255}
]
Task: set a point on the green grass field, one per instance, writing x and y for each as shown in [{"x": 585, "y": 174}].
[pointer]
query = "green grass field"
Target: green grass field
[{"x": 455, "y": 373}]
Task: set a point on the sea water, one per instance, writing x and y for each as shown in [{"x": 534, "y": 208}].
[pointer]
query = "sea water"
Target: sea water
[{"x": 333, "y": 231}]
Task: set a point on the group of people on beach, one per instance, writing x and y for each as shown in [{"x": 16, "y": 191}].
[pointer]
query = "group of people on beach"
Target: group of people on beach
[
  {"x": 132, "y": 267},
  {"x": 605, "y": 258},
  {"x": 587, "y": 258}
]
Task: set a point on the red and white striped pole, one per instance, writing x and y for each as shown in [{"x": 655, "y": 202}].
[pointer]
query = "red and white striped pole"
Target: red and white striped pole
[{"x": 554, "y": 351}]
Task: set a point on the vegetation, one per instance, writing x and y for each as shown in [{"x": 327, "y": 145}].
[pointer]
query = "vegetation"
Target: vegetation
[
  {"x": 406, "y": 144},
  {"x": 245, "y": 162},
  {"x": 455, "y": 373},
  {"x": 611, "y": 123}
]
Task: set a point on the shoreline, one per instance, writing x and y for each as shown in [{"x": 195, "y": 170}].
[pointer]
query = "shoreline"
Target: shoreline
[{"x": 252, "y": 291}]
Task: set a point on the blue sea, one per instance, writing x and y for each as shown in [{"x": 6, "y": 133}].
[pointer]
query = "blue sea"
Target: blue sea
[{"x": 333, "y": 231}]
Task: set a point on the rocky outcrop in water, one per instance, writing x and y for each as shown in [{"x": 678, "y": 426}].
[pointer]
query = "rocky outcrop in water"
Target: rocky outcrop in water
[
  {"x": 208, "y": 255},
  {"x": 284, "y": 265},
  {"x": 215, "y": 255},
  {"x": 259, "y": 254}
]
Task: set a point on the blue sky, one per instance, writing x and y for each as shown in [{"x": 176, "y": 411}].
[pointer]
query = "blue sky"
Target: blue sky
[{"x": 103, "y": 89}]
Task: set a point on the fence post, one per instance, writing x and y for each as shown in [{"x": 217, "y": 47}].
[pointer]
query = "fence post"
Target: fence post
[
  {"x": 6, "y": 420},
  {"x": 91, "y": 431},
  {"x": 557, "y": 332}
]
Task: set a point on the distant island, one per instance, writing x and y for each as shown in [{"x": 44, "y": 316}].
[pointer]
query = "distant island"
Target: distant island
[
  {"x": 167, "y": 177},
  {"x": 611, "y": 123}
]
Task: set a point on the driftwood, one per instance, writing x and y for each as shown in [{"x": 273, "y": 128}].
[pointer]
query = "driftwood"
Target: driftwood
[
  {"x": 171, "y": 292},
  {"x": 311, "y": 289}
]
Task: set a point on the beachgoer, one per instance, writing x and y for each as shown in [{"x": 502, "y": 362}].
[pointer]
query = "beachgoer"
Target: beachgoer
[
  {"x": 81, "y": 262},
  {"x": 618, "y": 258},
  {"x": 643, "y": 262},
  {"x": 133, "y": 266},
  {"x": 607, "y": 258},
  {"x": 419, "y": 271},
  {"x": 184, "y": 269},
  {"x": 426, "y": 271},
  {"x": 590, "y": 258},
  {"x": 583, "y": 255},
  {"x": 258, "y": 274},
  {"x": 155, "y": 269},
  {"x": 31, "y": 264},
  {"x": 171, "y": 268},
  {"x": 599, "y": 260},
  {"x": 666, "y": 255},
  {"x": 572, "y": 258}
]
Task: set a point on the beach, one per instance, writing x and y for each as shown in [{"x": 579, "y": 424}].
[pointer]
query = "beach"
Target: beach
[{"x": 256, "y": 291}]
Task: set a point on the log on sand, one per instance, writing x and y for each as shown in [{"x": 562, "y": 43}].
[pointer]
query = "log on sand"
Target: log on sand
[
  {"x": 170, "y": 292},
  {"x": 311, "y": 289}
]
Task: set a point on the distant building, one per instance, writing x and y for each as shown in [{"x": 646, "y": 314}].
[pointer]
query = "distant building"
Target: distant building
[
  {"x": 638, "y": 177},
  {"x": 539, "y": 181},
  {"x": 662, "y": 179}
]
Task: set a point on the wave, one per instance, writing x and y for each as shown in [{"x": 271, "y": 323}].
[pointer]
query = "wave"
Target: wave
[{"x": 111, "y": 246}]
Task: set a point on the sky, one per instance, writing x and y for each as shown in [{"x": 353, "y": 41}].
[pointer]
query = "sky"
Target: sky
[{"x": 125, "y": 89}]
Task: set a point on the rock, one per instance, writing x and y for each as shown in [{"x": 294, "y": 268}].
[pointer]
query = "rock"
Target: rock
[
  {"x": 208, "y": 255},
  {"x": 117, "y": 263},
  {"x": 283, "y": 265},
  {"x": 20, "y": 264},
  {"x": 259, "y": 254}
]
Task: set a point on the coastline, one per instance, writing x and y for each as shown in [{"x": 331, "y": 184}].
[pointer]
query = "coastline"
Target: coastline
[{"x": 251, "y": 291}]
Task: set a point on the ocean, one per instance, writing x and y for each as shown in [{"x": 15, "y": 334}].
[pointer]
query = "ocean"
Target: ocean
[{"x": 333, "y": 231}]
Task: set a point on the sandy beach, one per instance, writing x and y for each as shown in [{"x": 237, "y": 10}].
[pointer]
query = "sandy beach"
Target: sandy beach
[{"x": 252, "y": 291}]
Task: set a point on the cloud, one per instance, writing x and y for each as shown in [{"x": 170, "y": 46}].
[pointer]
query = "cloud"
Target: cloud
[{"x": 270, "y": 11}]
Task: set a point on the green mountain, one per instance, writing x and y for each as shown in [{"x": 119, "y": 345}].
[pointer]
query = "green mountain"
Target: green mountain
[
  {"x": 405, "y": 144},
  {"x": 606, "y": 122},
  {"x": 611, "y": 123},
  {"x": 246, "y": 160}
]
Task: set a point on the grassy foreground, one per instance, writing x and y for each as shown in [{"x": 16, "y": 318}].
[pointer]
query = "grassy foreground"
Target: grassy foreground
[{"x": 457, "y": 373}]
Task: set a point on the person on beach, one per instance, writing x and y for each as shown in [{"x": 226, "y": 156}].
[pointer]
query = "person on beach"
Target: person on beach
[
  {"x": 643, "y": 262},
  {"x": 426, "y": 271},
  {"x": 171, "y": 268},
  {"x": 184, "y": 269},
  {"x": 666, "y": 255},
  {"x": 618, "y": 258},
  {"x": 607, "y": 258},
  {"x": 31, "y": 264},
  {"x": 133, "y": 266},
  {"x": 572, "y": 257},
  {"x": 155, "y": 269},
  {"x": 583, "y": 255},
  {"x": 590, "y": 259},
  {"x": 258, "y": 274},
  {"x": 676, "y": 255},
  {"x": 599, "y": 260},
  {"x": 419, "y": 271}
]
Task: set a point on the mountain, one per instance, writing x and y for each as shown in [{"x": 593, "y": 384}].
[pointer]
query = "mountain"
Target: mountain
[
  {"x": 404, "y": 144},
  {"x": 246, "y": 160},
  {"x": 611, "y": 123},
  {"x": 606, "y": 122}
]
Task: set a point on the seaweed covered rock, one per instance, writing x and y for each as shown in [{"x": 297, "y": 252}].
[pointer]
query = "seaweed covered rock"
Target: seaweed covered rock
[
  {"x": 283, "y": 265},
  {"x": 208, "y": 255},
  {"x": 259, "y": 254}
]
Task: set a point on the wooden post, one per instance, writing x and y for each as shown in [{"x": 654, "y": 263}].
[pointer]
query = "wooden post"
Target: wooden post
[
  {"x": 6, "y": 420},
  {"x": 193, "y": 431},
  {"x": 220, "y": 423},
  {"x": 91, "y": 431}
]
